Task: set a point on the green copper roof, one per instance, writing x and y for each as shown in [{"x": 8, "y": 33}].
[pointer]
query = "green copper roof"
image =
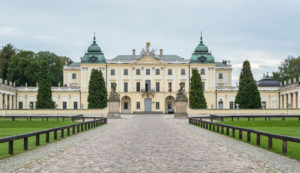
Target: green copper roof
[
  {"x": 201, "y": 54},
  {"x": 93, "y": 54}
]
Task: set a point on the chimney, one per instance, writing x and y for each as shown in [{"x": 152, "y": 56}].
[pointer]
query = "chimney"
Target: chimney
[
  {"x": 133, "y": 51},
  {"x": 161, "y": 52}
]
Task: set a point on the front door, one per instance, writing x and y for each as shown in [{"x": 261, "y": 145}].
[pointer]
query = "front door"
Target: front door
[{"x": 148, "y": 105}]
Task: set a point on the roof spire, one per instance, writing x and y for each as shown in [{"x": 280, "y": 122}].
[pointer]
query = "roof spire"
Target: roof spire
[
  {"x": 201, "y": 38},
  {"x": 94, "y": 38}
]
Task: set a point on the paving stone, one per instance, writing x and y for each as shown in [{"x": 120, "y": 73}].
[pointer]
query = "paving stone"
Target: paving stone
[{"x": 149, "y": 143}]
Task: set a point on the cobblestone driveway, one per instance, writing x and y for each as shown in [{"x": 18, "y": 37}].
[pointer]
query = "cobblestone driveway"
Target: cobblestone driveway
[{"x": 148, "y": 143}]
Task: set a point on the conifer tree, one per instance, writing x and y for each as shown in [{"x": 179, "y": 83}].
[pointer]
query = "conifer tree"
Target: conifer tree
[
  {"x": 97, "y": 98},
  {"x": 44, "y": 96},
  {"x": 248, "y": 96},
  {"x": 196, "y": 95}
]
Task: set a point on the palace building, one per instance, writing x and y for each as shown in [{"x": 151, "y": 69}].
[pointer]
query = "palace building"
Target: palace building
[{"x": 148, "y": 82}]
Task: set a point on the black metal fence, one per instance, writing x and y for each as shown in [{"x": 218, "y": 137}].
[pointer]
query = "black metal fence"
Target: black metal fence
[
  {"x": 74, "y": 128},
  {"x": 43, "y": 117},
  {"x": 198, "y": 121}
]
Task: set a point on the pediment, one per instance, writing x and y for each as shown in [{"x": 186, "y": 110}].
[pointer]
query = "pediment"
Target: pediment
[{"x": 147, "y": 60}]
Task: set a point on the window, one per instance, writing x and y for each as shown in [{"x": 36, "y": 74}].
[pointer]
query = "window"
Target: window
[
  {"x": 170, "y": 87},
  {"x": 157, "y": 72},
  {"x": 125, "y": 87},
  {"x": 138, "y": 87},
  {"x": 157, "y": 88},
  {"x": 125, "y": 105},
  {"x": 157, "y": 105},
  {"x": 231, "y": 105},
  {"x": 263, "y": 105},
  {"x": 31, "y": 105},
  {"x": 202, "y": 71},
  {"x": 170, "y": 72},
  {"x": 74, "y": 76},
  {"x": 138, "y": 105},
  {"x": 125, "y": 71},
  {"x": 64, "y": 105},
  {"x": 220, "y": 104},
  {"x": 147, "y": 85},
  {"x": 75, "y": 105},
  {"x": 182, "y": 71},
  {"x": 220, "y": 75},
  {"x": 203, "y": 86},
  {"x": 112, "y": 72},
  {"x": 137, "y": 71},
  {"x": 147, "y": 71},
  {"x": 20, "y": 105}
]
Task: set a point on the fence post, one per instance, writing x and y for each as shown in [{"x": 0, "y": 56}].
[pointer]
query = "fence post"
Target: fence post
[
  {"x": 73, "y": 130},
  {"x": 222, "y": 129},
  {"x": 55, "y": 134},
  {"x": 284, "y": 146},
  {"x": 68, "y": 131},
  {"x": 257, "y": 139},
  {"x": 240, "y": 134},
  {"x": 10, "y": 147},
  {"x": 82, "y": 127},
  {"x": 37, "y": 139},
  {"x": 47, "y": 137},
  {"x": 227, "y": 131},
  {"x": 214, "y": 127},
  {"x": 270, "y": 142},
  {"x": 218, "y": 129},
  {"x": 26, "y": 143},
  {"x": 248, "y": 136},
  {"x": 233, "y": 133},
  {"x": 62, "y": 134}
]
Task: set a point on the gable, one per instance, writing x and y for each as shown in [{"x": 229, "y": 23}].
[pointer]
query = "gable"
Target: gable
[{"x": 147, "y": 60}]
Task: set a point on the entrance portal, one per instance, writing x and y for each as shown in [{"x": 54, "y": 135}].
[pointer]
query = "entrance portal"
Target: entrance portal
[{"x": 148, "y": 105}]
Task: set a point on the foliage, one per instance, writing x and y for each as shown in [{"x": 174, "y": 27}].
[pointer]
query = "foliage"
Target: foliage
[
  {"x": 288, "y": 69},
  {"x": 21, "y": 69},
  {"x": 97, "y": 97},
  {"x": 55, "y": 66},
  {"x": 66, "y": 60},
  {"x": 44, "y": 96},
  {"x": 6, "y": 54},
  {"x": 196, "y": 95},
  {"x": 248, "y": 96}
]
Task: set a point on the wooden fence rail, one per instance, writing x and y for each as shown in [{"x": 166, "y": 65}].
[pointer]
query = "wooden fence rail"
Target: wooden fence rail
[
  {"x": 249, "y": 117},
  {"x": 46, "y": 117},
  {"x": 213, "y": 126},
  {"x": 89, "y": 124}
]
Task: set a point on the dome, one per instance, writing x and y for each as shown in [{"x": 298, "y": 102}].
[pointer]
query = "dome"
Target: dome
[
  {"x": 94, "y": 47},
  {"x": 201, "y": 48}
]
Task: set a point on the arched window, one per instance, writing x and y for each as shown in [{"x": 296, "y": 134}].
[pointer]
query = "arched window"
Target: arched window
[
  {"x": 182, "y": 71},
  {"x": 157, "y": 72},
  {"x": 147, "y": 71},
  {"x": 220, "y": 75},
  {"x": 112, "y": 72},
  {"x": 137, "y": 71}
]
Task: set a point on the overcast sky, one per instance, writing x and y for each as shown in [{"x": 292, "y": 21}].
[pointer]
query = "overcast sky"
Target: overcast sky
[{"x": 262, "y": 31}]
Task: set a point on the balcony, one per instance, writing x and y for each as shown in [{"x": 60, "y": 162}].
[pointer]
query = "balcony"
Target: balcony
[{"x": 147, "y": 92}]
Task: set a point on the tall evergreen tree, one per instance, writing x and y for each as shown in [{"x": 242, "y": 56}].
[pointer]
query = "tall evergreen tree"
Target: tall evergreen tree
[
  {"x": 248, "y": 96},
  {"x": 44, "y": 97},
  {"x": 97, "y": 91},
  {"x": 196, "y": 95}
]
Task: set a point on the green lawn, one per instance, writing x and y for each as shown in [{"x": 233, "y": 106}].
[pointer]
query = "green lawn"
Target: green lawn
[
  {"x": 287, "y": 127},
  {"x": 21, "y": 126}
]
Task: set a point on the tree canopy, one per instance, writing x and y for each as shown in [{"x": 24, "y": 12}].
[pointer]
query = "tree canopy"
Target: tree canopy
[
  {"x": 196, "y": 95},
  {"x": 248, "y": 96},
  {"x": 21, "y": 66},
  {"x": 288, "y": 69},
  {"x": 97, "y": 98},
  {"x": 6, "y": 54}
]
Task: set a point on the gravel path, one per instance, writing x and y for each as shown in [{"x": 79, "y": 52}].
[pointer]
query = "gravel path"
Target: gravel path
[{"x": 147, "y": 143}]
